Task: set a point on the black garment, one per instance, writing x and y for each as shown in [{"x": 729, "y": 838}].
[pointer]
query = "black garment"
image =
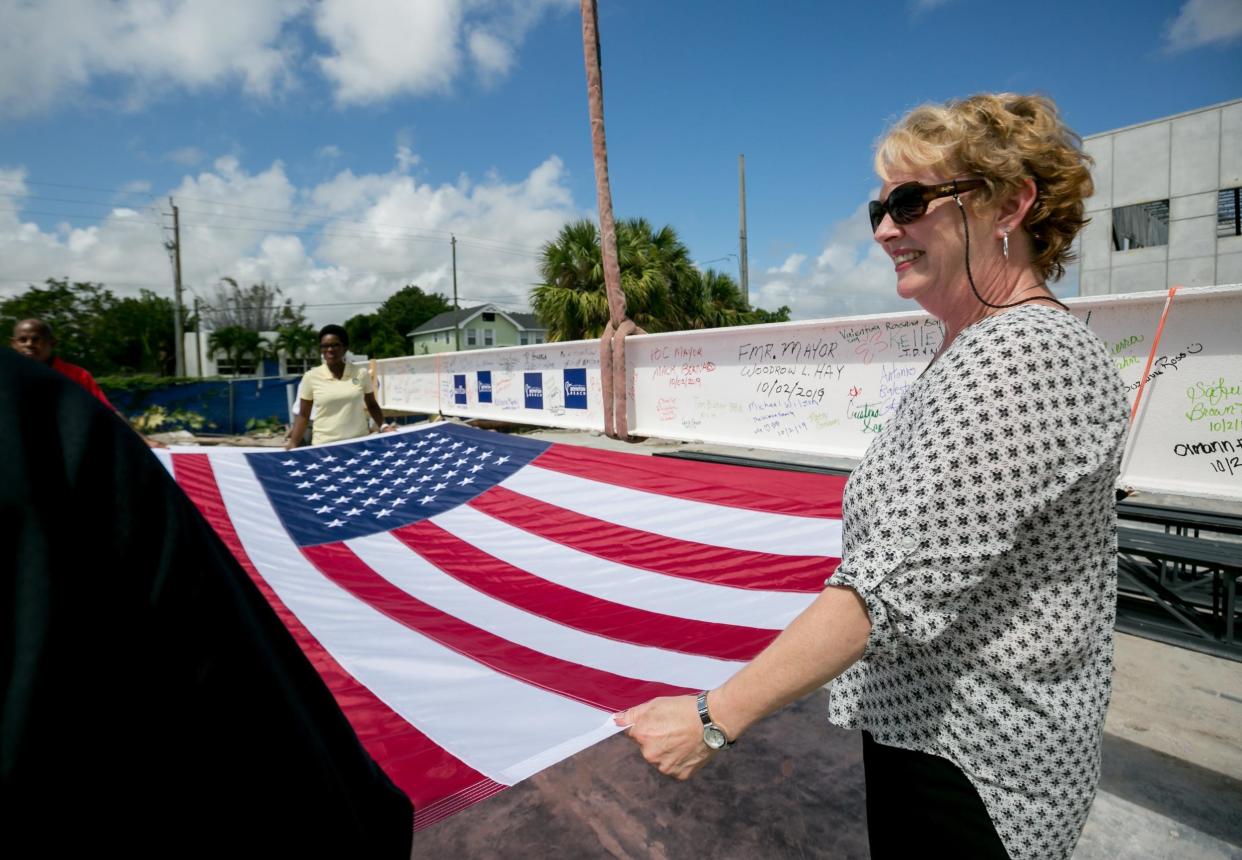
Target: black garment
[
  {"x": 152, "y": 702},
  {"x": 922, "y": 805}
]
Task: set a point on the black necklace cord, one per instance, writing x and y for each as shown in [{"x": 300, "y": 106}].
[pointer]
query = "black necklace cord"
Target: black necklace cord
[{"x": 971, "y": 279}]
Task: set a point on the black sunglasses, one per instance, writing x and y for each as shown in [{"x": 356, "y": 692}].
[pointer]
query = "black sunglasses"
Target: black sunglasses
[{"x": 908, "y": 202}]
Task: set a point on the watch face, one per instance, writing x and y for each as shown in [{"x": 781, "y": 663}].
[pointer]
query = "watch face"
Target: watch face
[{"x": 714, "y": 737}]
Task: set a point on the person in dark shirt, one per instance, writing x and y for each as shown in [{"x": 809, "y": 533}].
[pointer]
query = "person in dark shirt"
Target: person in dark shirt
[
  {"x": 33, "y": 338},
  {"x": 151, "y": 700}
]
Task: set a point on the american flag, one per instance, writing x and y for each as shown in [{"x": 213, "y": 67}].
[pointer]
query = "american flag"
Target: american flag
[{"x": 480, "y": 604}]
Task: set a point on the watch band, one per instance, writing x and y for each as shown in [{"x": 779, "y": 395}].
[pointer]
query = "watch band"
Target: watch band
[
  {"x": 703, "y": 714},
  {"x": 710, "y": 728}
]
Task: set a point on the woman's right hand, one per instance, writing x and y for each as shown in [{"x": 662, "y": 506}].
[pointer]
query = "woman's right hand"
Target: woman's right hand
[{"x": 669, "y": 733}]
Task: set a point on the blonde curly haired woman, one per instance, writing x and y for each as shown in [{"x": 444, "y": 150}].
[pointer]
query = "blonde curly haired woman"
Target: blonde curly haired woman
[{"x": 968, "y": 629}]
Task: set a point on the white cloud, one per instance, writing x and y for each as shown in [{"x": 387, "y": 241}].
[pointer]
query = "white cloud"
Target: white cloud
[
  {"x": 1204, "y": 22},
  {"x": 385, "y": 48},
  {"x": 493, "y": 57},
  {"x": 353, "y": 238},
  {"x": 13, "y": 182},
  {"x": 851, "y": 275},
  {"x": 57, "y": 47},
  {"x": 406, "y": 158},
  {"x": 375, "y": 49},
  {"x": 330, "y": 150},
  {"x": 791, "y": 265}
]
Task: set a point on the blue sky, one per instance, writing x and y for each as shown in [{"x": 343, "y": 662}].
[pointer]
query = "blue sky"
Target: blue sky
[{"x": 332, "y": 146}]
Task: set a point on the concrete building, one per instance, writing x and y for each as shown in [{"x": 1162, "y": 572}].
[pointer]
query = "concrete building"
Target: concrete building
[
  {"x": 1165, "y": 210},
  {"x": 203, "y": 361}
]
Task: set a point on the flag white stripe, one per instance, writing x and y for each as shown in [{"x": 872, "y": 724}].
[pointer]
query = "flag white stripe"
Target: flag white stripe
[
  {"x": 501, "y": 727},
  {"x": 608, "y": 580},
  {"x": 683, "y": 519},
  {"x": 414, "y": 575}
]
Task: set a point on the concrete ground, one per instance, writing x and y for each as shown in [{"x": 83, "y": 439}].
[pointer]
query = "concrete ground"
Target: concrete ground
[{"x": 1171, "y": 785}]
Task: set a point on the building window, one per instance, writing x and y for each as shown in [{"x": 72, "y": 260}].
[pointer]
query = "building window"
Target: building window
[
  {"x": 536, "y": 338},
  {"x": 299, "y": 365},
  {"x": 1143, "y": 225},
  {"x": 1228, "y": 212},
  {"x": 489, "y": 316},
  {"x": 523, "y": 339},
  {"x": 489, "y": 337},
  {"x": 472, "y": 337},
  {"x": 245, "y": 367}
]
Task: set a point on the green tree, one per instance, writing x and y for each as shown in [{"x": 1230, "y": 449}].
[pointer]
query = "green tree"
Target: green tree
[
  {"x": 409, "y": 307},
  {"x": 781, "y": 314},
  {"x": 360, "y": 327},
  {"x": 663, "y": 291},
  {"x": 295, "y": 336},
  {"x": 139, "y": 335},
  {"x": 297, "y": 341},
  {"x": 96, "y": 329},
  {"x": 258, "y": 307},
  {"x": 382, "y": 334},
  {"x": 237, "y": 343},
  {"x": 572, "y": 300},
  {"x": 724, "y": 304}
]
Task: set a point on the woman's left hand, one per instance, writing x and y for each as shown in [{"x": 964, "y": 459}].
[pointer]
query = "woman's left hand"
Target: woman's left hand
[{"x": 669, "y": 733}]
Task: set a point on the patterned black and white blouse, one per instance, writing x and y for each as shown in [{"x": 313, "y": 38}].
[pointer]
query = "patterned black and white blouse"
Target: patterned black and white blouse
[{"x": 980, "y": 530}]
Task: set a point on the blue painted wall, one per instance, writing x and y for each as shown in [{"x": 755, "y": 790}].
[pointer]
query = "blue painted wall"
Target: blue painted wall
[{"x": 251, "y": 398}]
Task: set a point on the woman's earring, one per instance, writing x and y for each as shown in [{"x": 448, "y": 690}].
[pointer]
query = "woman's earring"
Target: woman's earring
[{"x": 1005, "y": 244}]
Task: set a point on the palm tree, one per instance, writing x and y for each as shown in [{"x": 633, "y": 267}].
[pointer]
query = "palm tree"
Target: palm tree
[
  {"x": 723, "y": 302},
  {"x": 237, "y": 343},
  {"x": 658, "y": 280},
  {"x": 297, "y": 341}
]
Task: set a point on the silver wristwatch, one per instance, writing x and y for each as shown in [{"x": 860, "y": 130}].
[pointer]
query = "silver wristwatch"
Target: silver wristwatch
[{"x": 713, "y": 735}]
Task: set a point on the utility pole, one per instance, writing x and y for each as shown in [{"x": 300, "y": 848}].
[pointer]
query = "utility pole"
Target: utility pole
[
  {"x": 198, "y": 338},
  {"x": 178, "y": 335},
  {"x": 456, "y": 307},
  {"x": 743, "y": 269}
]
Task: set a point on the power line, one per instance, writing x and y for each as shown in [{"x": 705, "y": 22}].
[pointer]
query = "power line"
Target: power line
[
  {"x": 103, "y": 203},
  {"x": 134, "y": 223},
  {"x": 24, "y": 182},
  {"x": 36, "y": 281},
  {"x": 284, "y": 221},
  {"x": 309, "y": 231}
]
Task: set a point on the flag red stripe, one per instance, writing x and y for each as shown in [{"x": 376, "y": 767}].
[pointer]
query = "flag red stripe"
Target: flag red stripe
[
  {"x": 594, "y": 687},
  {"x": 764, "y": 571},
  {"x": 447, "y": 806},
  {"x": 803, "y": 494},
  {"x": 503, "y": 581},
  {"x": 426, "y": 772}
]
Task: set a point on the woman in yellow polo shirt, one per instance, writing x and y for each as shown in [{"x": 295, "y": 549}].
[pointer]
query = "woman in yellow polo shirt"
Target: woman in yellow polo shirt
[{"x": 343, "y": 393}]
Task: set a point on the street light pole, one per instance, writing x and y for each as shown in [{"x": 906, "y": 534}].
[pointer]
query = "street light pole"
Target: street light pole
[
  {"x": 743, "y": 275},
  {"x": 456, "y": 307},
  {"x": 178, "y": 335}
]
